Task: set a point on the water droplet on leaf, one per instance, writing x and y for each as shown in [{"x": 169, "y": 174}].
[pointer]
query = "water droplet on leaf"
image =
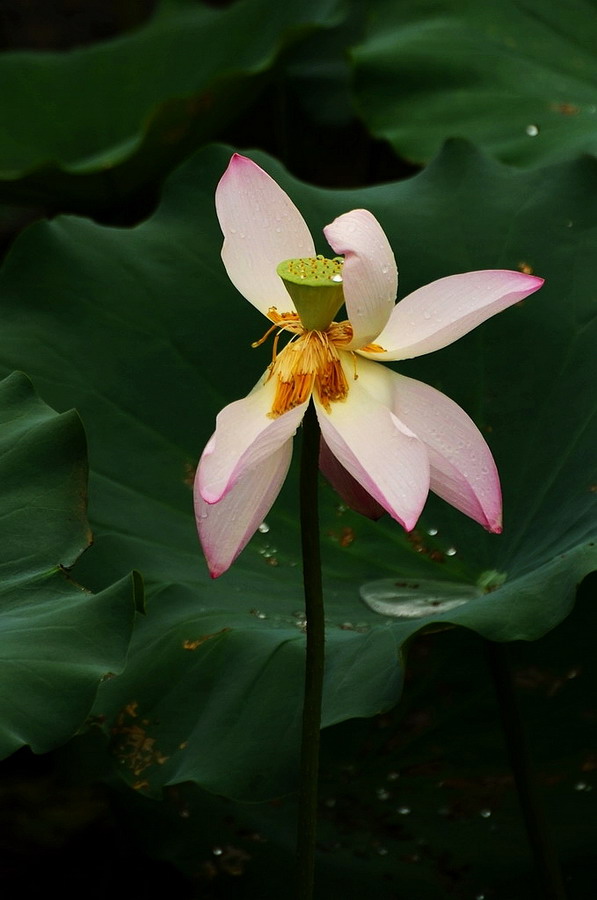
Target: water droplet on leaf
[{"x": 411, "y": 599}]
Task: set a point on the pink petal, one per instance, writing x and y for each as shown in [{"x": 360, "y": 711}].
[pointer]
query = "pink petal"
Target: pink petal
[
  {"x": 226, "y": 527},
  {"x": 261, "y": 227},
  {"x": 370, "y": 275},
  {"x": 443, "y": 311},
  {"x": 349, "y": 489},
  {"x": 462, "y": 468},
  {"x": 245, "y": 437},
  {"x": 386, "y": 459}
]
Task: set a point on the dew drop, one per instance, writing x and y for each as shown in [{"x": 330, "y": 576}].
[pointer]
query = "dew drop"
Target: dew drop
[
  {"x": 336, "y": 278},
  {"x": 263, "y": 528},
  {"x": 414, "y": 600},
  {"x": 217, "y": 851},
  {"x": 404, "y": 810},
  {"x": 393, "y": 776},
  {"x": 532, "y": 130},
  {"x": 485, "y": 813},
  {"x": 382, "y": 851},
  {"x": 432, "y": 531},
  {"x": 582, "y": 786},
  {"x": 451, "y": 551},
  {"x": 382, "y": 794},
  {"x": 258, "y": 614}
]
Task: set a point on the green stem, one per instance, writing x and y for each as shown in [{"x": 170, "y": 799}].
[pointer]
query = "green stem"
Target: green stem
[
  {"x": 314, "y": 665},
  {"x": 547, "y": 864}
]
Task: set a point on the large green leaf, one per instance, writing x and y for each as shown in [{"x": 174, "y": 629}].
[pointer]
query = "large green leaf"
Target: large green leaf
[
  {"x": 87, "y": 127},
  {"x": 58, "y": 641},
  {"x": 518, "y": 77},
  {"x": 419, "y": 801},
  {"x": 142, "y": 330}
]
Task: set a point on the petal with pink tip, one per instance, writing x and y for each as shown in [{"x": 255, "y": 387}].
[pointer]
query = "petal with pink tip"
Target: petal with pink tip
[
  {"x": 261, "y": 227},
  {"x": 462, "y": 468},
  {"x": 245, "y": 436},
  {"x": 381, "y": 453},
  {"x": 355, "y": 496},
  {"x": 226, "y": 527},
  {"x": 369, "y": 273},
  {"x": 441, "y": 312}
]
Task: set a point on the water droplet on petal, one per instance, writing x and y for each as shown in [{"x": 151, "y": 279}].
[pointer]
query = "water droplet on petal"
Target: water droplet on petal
[
  {"x": 263, "y": 528},
  {"x": 532, "y": 130}
]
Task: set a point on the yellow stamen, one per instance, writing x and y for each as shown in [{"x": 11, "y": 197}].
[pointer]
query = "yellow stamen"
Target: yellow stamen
[
  {"x": 264, "y": 338},
  {"x": 373, "y": 348},
  {"x": 309, "y": 363}
]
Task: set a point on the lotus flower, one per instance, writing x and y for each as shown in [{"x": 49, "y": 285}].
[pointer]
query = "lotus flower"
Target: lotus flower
[{"x": 386, "y": 439}]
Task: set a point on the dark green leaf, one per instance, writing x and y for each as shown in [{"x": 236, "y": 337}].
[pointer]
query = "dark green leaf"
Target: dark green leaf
[
  {"x": 518, "y": 78},
  {"x": 58, "y": 641},
  {"x": 88, "y": 127}
]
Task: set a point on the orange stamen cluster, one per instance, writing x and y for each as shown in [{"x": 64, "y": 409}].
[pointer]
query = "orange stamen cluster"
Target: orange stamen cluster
[{"x": 309, "y": 362}]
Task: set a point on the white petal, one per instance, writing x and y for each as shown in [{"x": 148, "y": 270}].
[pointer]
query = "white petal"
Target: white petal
[
  {"x": 355, "y": 496},
  {"x": 245, "y": 436},
  {"x": 443, "y": 311},
  {"x": 386, "y": 459},
  {"x": 462, "y": 468},
  {"x": 369, "y": 274},
  {"x": 226, "y": 527},
  {"x": 261, "y": 227}
]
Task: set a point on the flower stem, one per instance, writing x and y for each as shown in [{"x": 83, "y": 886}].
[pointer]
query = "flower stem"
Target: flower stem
[
  {"x": 547, "y": 864},
  {"x": 314, "y": 665}
]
